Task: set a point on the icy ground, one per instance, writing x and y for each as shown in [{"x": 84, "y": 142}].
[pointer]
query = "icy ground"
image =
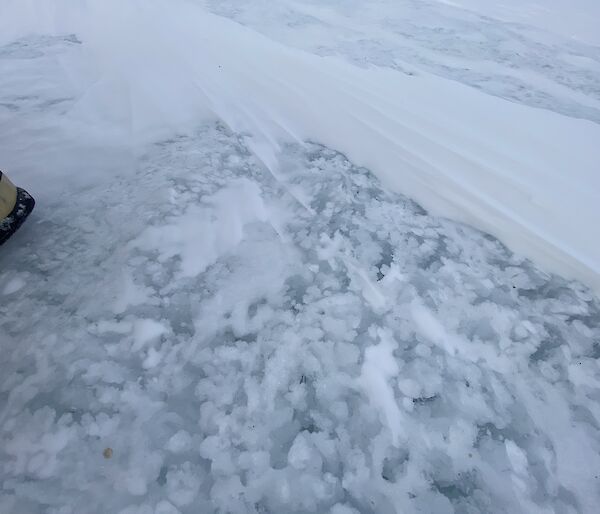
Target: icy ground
[
  {"x": 245, "y": 340},
  {"x": 246, "y": 343},
  {"x": 516, "y": 61}
]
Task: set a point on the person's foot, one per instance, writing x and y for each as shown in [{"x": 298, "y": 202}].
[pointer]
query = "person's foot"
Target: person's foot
[{"x": 15, "y": 205}]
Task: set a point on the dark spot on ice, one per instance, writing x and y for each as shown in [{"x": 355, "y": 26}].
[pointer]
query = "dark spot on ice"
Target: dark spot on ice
[
  {"x": 425, "y": 399},
  {"x": 162, "y": 476}
]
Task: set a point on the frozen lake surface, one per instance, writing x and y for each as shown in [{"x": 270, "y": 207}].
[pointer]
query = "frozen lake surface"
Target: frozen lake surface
[{"x": 203, "y": 316}]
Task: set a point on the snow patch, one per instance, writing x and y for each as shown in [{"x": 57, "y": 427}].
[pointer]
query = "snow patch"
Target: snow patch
[
  {"x": 202, "y": 234},
  {"x": 379, "y": 368},
  {"x": 14, "y": 284}
]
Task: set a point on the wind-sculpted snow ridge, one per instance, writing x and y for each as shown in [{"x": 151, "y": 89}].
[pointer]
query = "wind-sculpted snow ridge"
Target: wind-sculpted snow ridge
[
  {"x": 212, "y": 337},
  {"x": 527, "y": 176}
]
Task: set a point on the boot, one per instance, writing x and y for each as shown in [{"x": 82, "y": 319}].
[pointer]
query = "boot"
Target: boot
[{"x": 15, "y": 205}]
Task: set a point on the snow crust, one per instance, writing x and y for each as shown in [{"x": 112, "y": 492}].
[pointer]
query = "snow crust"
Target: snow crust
[{"x": 227, "y": 298}]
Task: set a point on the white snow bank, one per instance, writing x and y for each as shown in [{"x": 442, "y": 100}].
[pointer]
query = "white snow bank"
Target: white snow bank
[{"x": 148, "y": 69}]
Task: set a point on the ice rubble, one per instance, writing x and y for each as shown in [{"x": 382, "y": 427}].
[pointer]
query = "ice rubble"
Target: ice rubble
[
  {"x": 337, "y": 349},
  {"x": 350, "y": 352}
]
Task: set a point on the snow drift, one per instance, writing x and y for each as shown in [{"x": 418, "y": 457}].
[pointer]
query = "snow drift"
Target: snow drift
[{"x": 527, "y": 176}]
